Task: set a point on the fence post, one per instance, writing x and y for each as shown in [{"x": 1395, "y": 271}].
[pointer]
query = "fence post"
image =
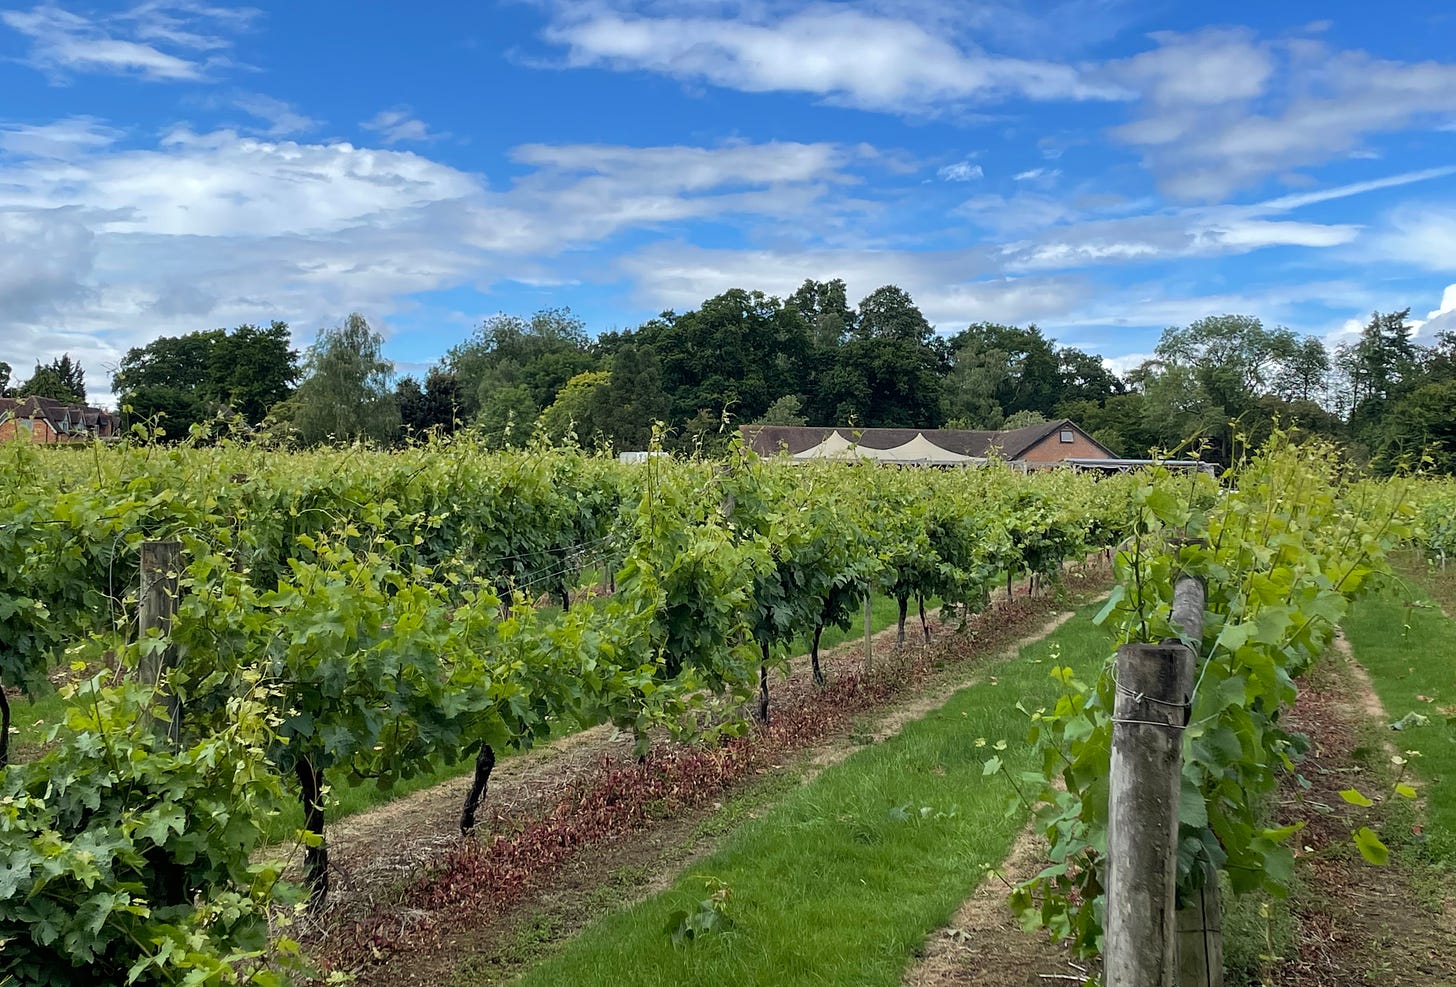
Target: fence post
[
  {"x": 157, "y": 605},
  {"x": 1200, "y": 920},
  {"x": 1154, "y": 684}
]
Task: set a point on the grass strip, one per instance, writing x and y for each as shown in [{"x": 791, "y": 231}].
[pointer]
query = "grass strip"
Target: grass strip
[
  {"x": 841, "y": 882},
  {"x": 1408, "y": 646}
]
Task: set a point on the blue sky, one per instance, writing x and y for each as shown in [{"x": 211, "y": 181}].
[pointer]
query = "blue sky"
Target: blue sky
[{"x": 1102, "y": 169}]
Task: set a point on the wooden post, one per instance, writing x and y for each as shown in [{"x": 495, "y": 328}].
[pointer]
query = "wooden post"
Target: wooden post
[
  {"x": 869, "y": 637},
  {"x": 157, "y": 605},
  {"x": 1199, "y": 920},
  {"x": 1200, "y": 936},
  {"x": 1154, "y": 685}
]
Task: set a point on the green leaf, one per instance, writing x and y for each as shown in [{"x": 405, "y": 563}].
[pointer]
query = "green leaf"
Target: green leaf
[
  {"x": 1405, "y": 791},
  {"x": 1370, "y": 846},
  {"x": 165, "y": 818},
  {"x": 1354, "y": 797}
]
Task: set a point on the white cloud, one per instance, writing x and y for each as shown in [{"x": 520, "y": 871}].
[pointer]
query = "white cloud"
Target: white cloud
[
  {"x": 1205, "y": 69},
  {"x": 60, "y": 139},
  {"x": 1440, "y": 319},
  {"x": 961, "y": 171},
  {"x": 211, "y": 229},
  {"x": 399, "y": 125},
  {"x": 1419, "y": 235},
  {"x": 1222, "y": 111},
  {"x": 849, "y": 56},
  {"x": 158, "y": 40},
  {"x": 1042, "y": 175},
  {"x": 282, "y": 119}
]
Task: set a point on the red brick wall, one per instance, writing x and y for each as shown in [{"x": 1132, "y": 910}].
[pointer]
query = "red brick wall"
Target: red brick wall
[
  {"x": 1053, "y": 450},
  {"x": 39, "y": 431}
]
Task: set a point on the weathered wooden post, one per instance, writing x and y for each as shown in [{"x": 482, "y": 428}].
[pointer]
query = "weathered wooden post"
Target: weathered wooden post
[
  {"x": 1199, "y": 920},
  {"x": 1154, "y": 685},
  {"x": 157, "y": 605}
]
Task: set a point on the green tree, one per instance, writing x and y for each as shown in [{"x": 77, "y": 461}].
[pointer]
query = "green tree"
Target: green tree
[
  {"x": 739, "y": 350},
  {"x": 888, "y": 312},
  {"x": 540, "y": 354},
  {"x": 633, "y": 399},
  {"x": 435, "y": 406},
  {"x": 508, "y": 416},
  {"x": 1304, "y": 375},
  {"x": 784, "y": 411},
  {"x": 825, "y": 307},
  {"x": 62, "y": 379},
  {"x": 574, "y": 410},
  {"x": 1021, "y": 419},
  {"x": 346, "y": 392},
  {"x": 5, "y": 372},
  {"x": 888, "y": 373},
  {"x": 199, "y": 375}
]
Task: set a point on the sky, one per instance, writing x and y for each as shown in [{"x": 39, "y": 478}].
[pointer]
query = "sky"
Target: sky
[{"x": 1103, "y": 169}]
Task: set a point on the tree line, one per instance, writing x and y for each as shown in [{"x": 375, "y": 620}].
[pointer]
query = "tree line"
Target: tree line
[{"x": 810, "y": 358}]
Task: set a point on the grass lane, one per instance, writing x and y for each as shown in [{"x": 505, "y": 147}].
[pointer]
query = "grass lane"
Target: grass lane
[
  {"x": 1408, "y": 646},
  {"x": 842, "y": 880}
]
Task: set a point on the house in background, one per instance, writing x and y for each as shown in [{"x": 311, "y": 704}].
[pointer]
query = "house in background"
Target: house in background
[
  {"x": 1035, "y": 446},
  {"x": 49, "y": 421}
]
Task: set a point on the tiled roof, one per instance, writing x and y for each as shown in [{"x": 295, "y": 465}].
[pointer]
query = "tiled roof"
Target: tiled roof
[{"x": 62, "y": 417}]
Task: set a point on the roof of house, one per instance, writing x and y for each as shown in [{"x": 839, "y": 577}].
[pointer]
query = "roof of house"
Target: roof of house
[
  {"x": 769, "y": 440},
  {"x": 62, "y": 417}
]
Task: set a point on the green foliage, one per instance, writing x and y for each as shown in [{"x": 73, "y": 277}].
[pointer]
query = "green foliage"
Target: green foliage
[
  {"x": 61, "y": 379},
  {"x": 126, "y": 862},
  {"x": 188, "y": 379},
  {"x": 346, "y": 393},
  {"x": 1281, "y": 556},
  {"x": 371, "y": 615},
  {"x": 708, "y": 917}
]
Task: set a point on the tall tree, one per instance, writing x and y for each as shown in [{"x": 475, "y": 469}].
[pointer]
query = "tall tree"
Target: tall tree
[
  {"x": 888, "y": 374},
  {"x": 434, "y": 406},
  {"x": 5, "y": 372},
  {"x": 1304, "y": 374},
  {"x": 825, "y": 306},
  {"x": 633, "y": 399},
  {"x": 888, "y": 312},
  {"x": 200, "y": 375},
  {"x": 539, "y": 354},
  {"x": 62, "y": 379},
  {"x": 574, "y": 412},
  {"x": 346, "y": 392},
  {"x": 739, "y": 350}
]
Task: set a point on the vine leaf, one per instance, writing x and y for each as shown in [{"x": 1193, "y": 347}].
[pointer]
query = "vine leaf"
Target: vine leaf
[{"x": 1370, "y": 846}]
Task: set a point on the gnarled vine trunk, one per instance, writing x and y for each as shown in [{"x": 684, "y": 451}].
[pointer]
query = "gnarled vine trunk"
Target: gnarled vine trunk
[
  {"x": 814, "y": 653},
  {"x": 315, "y": 858},
  {"x": 484, "y": 764}
]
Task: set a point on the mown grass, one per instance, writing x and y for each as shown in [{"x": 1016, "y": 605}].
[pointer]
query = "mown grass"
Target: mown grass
[
  {"x": 1408, "y": 646},
  {"x": 841, "y": 882}
]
